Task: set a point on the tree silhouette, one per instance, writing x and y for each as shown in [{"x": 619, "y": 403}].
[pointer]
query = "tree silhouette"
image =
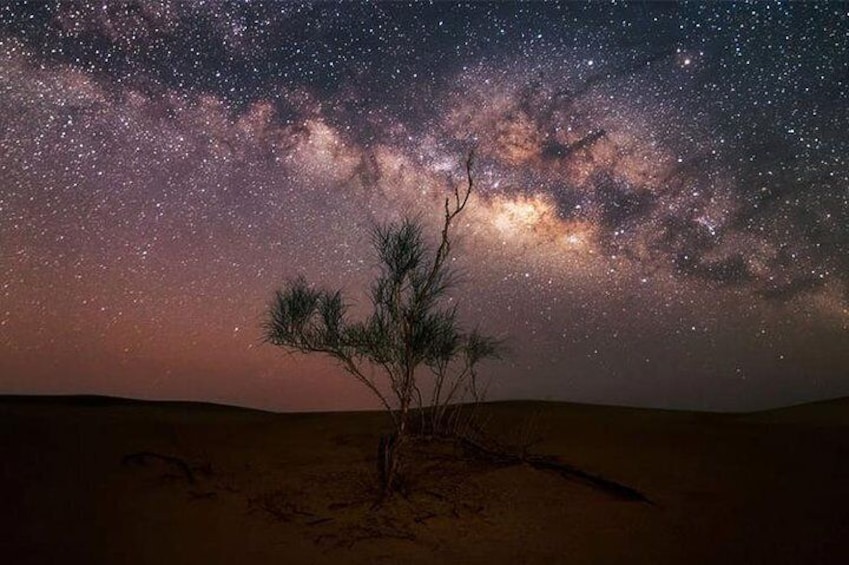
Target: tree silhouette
[{"x": 411, "y": 338}]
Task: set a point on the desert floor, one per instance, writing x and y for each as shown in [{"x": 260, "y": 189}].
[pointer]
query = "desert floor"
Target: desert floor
[{"x": 91, "y": 480}]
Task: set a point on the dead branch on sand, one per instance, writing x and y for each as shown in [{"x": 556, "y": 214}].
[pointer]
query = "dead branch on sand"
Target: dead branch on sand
[
  {"x": 142, "y": 458},
  {"x": 551, "y": 463}
]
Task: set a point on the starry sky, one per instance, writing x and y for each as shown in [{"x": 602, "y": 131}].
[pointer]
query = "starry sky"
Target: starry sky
[{"x": 661, "y": 215}]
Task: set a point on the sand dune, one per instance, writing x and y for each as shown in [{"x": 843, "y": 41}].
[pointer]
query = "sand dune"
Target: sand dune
[{"x": 97, "y": 480}]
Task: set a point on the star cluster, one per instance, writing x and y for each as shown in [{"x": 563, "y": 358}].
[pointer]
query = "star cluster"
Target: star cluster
[{"x": 661, "y": 214}]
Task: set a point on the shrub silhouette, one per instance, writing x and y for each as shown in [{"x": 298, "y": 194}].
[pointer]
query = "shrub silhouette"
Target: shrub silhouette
[{"x": 410, "y": 339}]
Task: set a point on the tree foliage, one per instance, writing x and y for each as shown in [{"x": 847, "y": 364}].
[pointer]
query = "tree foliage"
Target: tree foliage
[{"x": 412, "y": 339}]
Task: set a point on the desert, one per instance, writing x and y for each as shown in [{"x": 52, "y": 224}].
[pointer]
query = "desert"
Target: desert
[{"x": 104, "y": 480}]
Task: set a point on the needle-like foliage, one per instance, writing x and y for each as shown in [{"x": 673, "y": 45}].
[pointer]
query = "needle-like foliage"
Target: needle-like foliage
[{"x": 413, "y": 341}]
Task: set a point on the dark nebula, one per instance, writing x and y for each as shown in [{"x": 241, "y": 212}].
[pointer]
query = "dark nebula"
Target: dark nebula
[{"x": 662, "y": 214}]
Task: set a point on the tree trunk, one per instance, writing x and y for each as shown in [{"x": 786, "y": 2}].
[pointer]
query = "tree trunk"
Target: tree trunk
[
  {"x": 387, "y": 462},
  {"x": 390, "y": 450}
]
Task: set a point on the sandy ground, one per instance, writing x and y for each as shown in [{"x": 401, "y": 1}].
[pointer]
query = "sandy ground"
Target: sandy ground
[{"x": 89, "y": 481}]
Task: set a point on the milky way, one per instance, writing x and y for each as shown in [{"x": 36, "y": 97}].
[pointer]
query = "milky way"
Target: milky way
[{"x": 661, "y": 215}]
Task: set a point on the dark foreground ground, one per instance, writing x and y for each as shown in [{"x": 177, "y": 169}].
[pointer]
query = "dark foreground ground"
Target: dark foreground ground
[{"x": 110, "y": 481}]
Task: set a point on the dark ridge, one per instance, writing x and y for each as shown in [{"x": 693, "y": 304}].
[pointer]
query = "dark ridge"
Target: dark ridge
[
  {"x": 71, "y": 399},
  {"x": 828, "y": 413},
  {"x": 95, "y": 400},
  {"x": 103, "y": 401}
]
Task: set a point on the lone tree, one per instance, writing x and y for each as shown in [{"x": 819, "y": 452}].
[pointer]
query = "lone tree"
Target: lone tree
[{"x": 411, "y": 341}]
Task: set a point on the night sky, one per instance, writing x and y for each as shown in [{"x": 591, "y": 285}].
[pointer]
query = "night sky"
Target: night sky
[{"x": 662, "y": 213}]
